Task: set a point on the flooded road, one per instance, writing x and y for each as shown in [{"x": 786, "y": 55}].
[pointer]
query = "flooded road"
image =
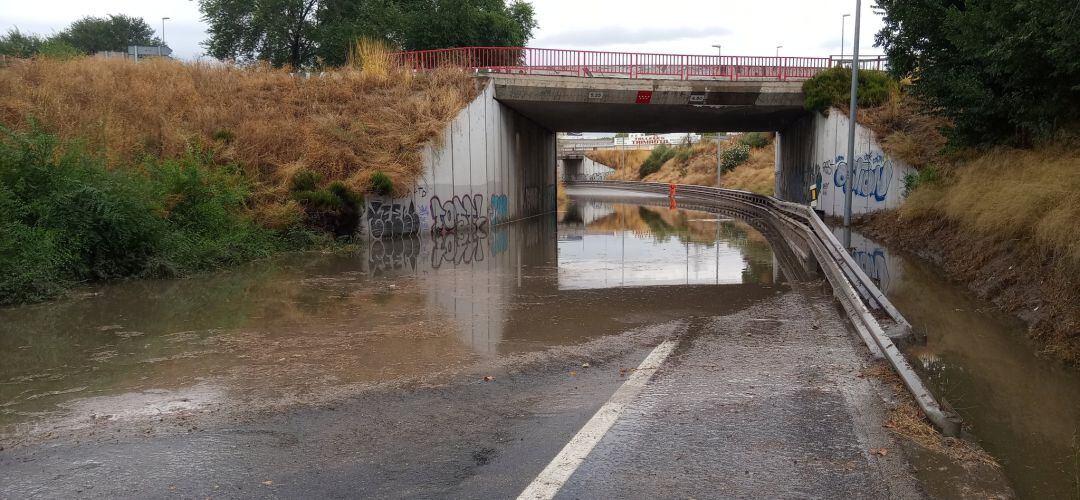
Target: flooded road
[
  {"x": 303, "y": 328},
  {"x": 458, "y": 366},
  {"x": 1023, "y": 409}
]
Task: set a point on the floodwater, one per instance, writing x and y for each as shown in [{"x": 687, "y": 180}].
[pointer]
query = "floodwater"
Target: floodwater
[
  {"x": 303, "y": 328},
  {"x": 1023, "y": 409}
]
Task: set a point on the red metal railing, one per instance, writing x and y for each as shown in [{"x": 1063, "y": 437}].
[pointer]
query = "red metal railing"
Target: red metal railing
[{"x": 528, "y": 60}]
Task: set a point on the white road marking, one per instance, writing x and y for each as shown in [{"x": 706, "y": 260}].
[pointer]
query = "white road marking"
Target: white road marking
[{"x": 552, "y": 478}]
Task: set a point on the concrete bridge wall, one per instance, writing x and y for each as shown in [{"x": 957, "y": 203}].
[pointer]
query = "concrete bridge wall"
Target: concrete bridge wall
[
  {"x": 491, "y": 166},
  {"x": 582, "y": 169}
]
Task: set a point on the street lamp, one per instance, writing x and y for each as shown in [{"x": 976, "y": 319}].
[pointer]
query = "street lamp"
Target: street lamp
[
  {"x": 162, "y": 35},
  {"x": 778, "y": 47},
  {"x": 843, "y": 20},
  {"x": 849, "y": 181},
  {"x": 718, "y": 51}
]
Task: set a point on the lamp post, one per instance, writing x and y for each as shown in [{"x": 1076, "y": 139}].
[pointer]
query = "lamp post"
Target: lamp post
[
  {"x": 719, "y": 52},
  {"x": 778, "y": 47},
  {"x": 849, "y": 181},
  {"x": 162, "y": 35},
  {"x": 843, "y": 21}
]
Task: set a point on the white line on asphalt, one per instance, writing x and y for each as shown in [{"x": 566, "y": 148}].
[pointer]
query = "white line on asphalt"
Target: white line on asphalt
[{"x": 552, "y": 478}]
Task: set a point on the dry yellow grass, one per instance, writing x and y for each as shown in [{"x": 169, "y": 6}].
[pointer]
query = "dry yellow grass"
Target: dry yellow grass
[
  {"x": 1029, "y": 195},
  {"x": 907, "y": 420},
  {"x": 344, "y": 125},
  {"x": 905, "y": 130},
  {"x": 756, "y": 175}
]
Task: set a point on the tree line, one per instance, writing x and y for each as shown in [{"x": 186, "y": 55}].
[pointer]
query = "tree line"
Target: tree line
[
  {"x": 91, "y": 34},
  {"x": 1002, "y": 71},
  {"x": 304, "y": 33}
]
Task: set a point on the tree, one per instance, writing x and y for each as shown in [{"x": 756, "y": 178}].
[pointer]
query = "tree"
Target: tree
[
  {"x": 1002, "y": 71},
  {"x": 277, "y": 31},
  {"x": 114, "y": 32},
  {"x": 16, "y": 44},
  {"x": 436, "y": 24},
  {"x": 303, "y": 32}
]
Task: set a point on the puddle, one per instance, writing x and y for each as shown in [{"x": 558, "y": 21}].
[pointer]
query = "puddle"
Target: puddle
[
  {"x": 1023, "y": 409},
  {"x": 286, "y": 328}
]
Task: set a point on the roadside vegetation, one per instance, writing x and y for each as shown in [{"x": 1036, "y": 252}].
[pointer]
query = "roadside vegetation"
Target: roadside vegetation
[
  {"x": 747, "y": 162},
  {"x": 982, "y": 101},
  {"x": 107, "y": 173}
]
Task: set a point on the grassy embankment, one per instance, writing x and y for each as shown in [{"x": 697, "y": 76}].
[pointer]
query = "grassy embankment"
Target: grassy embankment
[
  {"x": 1002, "y": 220},
  {"x": 112, "y": 169},
  {"x": 749, "y": 162}
]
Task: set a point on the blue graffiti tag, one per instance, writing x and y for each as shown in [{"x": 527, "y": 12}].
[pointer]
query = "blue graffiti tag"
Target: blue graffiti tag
[
  {"x": 873, "y": 174},
  {"x": 499, "y": 209}
]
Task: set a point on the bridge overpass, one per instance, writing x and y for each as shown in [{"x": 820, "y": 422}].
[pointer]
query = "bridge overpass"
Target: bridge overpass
[{"x": 497, "y": 160}]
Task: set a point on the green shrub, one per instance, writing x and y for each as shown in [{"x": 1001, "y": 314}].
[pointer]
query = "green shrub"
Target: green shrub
[
  {"x": 66, "y": 218},
  {"x": 381, "y": 184},
  {"x": 334, "y": 208},
  {"x": 832, "y": 87},
  {"x": 304, "y": 180},
  {"x": 54, "y": 48},
  {"x": 924, "y": 176},
  {"x": 734, "y": 156},
  {"x": 755, "y": 140},
  {"x": 683, "y": 154},
  {"x": 657, "y": 158}
]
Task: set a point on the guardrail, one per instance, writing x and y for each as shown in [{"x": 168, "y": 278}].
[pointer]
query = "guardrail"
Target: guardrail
[
  {"x": 592, "y": 63},
  {"x": 840, "y": 270}
]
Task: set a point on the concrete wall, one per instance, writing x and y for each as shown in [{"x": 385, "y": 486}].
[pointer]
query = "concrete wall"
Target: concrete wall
[
  {"x": 577, "y": 169},
  {"x": 812, "y": 151},
  {"x": 491, "y": 166}
]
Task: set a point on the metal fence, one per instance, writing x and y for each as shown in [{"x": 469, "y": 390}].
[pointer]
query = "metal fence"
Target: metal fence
[{"x": 591, "y": 63}]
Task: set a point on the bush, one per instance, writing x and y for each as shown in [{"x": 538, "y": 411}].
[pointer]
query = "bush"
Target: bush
[
  {"x": 657, "y": 158},
  {"x": 755, "y": 140},
  {"x": 66, "y": 218},
  {"x": 925, "y": 176},
  {"x": 733, "y": 157},
  {"x": 334, "y": 208},
  {"x": 381, "y": 184},
  {"x": 832, "y": 87}
]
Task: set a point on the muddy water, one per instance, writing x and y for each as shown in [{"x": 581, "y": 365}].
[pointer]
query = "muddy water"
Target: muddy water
[
  {"x": 305, "y": 327},
  {"x": 1023, "y": 409}
]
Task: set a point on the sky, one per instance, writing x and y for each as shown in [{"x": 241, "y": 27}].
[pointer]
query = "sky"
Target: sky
[{"x": 802, "y": 27}]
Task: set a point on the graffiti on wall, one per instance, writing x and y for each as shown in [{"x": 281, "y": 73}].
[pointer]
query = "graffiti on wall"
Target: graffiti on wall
[
  {"x": 390, "y": 219},
  {"x": 499, "y": 209},
  {"x": 460, "y": 213},
  {"x": 873, "y": 174},
  {"x": 874, "y": 264}
]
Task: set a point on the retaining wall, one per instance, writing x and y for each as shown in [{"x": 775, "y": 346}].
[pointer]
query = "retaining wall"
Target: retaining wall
[{"x": 491, "y": 166}]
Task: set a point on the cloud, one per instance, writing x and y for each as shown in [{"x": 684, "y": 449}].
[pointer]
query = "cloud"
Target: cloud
[{"x": 617, "y": 35}]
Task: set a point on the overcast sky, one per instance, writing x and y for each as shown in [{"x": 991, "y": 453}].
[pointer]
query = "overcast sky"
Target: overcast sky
[{"x": 756, "y": 27}]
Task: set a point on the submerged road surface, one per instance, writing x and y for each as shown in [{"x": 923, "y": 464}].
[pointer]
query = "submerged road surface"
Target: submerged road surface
[{"x": 621, "y": 351}]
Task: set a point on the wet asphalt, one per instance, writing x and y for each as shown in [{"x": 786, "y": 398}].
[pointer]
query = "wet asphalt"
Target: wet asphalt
[{"x": 763, "y": 402}]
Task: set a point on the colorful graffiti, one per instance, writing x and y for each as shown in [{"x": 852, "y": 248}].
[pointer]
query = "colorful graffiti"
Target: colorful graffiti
[
  {"x": 873, "y": 174},
  {"x": 875, "y": 264},
  {"x": 391, "y": 219},
  {"x": 460, "y": 213},
  {"x": 499, "y": 209}
]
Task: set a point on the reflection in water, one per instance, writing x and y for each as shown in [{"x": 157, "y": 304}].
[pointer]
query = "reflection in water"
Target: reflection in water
[
  {"x": 287, "y": 328},
  {"x": 1025, "y": 410}
]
